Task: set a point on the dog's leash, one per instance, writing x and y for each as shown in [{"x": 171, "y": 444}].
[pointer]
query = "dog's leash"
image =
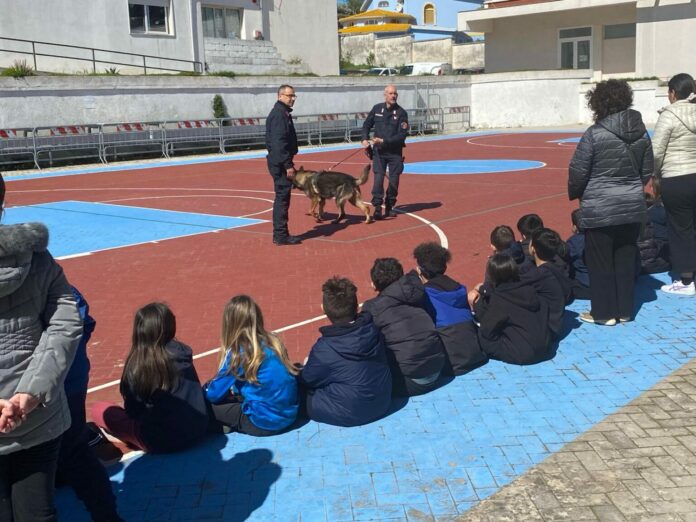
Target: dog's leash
[{"x": 344, "y": 159}]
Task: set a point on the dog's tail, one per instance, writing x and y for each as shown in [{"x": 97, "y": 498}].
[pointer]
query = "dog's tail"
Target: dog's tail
[{"x": 365, "y": 175}]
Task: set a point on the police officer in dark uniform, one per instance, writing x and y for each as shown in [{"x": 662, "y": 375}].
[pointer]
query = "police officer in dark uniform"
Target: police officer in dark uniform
[
  {"x": 281, "y": 142},
  {"x": 390, "y": 123}
]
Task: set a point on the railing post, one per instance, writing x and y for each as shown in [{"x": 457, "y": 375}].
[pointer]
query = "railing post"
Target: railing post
[
  {"x": 33, "y": 52},
  {"x": 94, "y": 63},
  {"x": 144, "y": 65}
]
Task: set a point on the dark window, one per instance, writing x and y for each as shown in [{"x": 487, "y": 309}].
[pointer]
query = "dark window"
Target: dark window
[
  {"x": 619, "y": 31},
  {"x": 136, "y": 14}
]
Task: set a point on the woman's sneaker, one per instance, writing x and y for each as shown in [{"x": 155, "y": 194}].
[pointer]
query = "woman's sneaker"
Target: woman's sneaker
[
  {"x": 587, "y": 317},
  {"x": 679, "y": 288}
]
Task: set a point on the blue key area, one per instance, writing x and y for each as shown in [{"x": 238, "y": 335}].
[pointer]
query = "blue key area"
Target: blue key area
[
  {"x": 436, "y": 456},
  {"x": 77, "y": 227},
  {"x": 480, "y": 166},
  {"x": 567, "y": 140}
]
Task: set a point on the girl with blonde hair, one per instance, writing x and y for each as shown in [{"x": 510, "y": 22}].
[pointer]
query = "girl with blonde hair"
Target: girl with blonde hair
[{"x": 255, "y": 390}]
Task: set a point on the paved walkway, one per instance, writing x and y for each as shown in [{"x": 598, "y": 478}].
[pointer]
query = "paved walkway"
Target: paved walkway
[{"x": 614, "y": 454}]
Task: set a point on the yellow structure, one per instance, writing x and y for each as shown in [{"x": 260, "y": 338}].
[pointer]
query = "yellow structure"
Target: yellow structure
[{"x": 376, "y": 21}]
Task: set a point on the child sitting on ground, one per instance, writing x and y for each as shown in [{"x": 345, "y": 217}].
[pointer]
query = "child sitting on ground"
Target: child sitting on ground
[
  {"x": 514, "y": 320},
  {"x": 448, "y": 306},
  {"x": 550, "y": 278},
  {"x": 255, "y": 390},
  {"x": 164, "y": 408},
  {"x": 653, "y": 243},
  {"x": 415, "y": 353},
  {"x": 503, "y": 242},
  {"x": 576, "y": 257},
  {"x": 78, "y": 465},
  {"x": 526, "y": 225},
  {"x": 346, "y": 376}
]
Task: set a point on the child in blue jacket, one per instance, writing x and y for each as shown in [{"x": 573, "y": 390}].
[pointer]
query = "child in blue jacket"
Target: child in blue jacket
[
  {"x": 347, "y": 377},
  {"x": 255, "y": 390},
  {"x": 449, "y": 307}
]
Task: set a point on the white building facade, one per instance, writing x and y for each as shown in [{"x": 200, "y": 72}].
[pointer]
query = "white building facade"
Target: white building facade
[
  {"x": 607, "y": 38},
  {"x": 244, "y": 36}
]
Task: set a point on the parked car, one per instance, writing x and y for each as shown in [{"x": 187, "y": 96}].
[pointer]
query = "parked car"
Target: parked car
[
  {"x": 472, "y": 70},
  {"x": 382, "y": 71},
  {"x": 425, "y": 68}
]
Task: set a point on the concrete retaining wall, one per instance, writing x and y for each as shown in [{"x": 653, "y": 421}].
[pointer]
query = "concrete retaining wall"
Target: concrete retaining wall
[{"x": 548, "y": 98}]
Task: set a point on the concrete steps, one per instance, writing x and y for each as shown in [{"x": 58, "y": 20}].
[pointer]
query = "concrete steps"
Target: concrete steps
[{"x": 247, "y": 57}]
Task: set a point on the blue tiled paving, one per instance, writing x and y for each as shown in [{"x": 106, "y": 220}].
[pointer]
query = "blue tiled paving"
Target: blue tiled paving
[
  {"x": 436, "y": 456},
  {"x": 78, "y": 227}
]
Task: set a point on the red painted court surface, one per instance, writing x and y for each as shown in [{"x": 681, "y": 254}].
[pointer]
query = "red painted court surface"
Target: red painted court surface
[{"x": 196, "y": 275}]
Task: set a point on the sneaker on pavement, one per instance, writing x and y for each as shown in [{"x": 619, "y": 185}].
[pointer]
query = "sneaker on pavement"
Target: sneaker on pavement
[
  {"x": 679, "y": 288},
  {"x": 587, "y": 317},
  {"x": 377, "y": 215}
]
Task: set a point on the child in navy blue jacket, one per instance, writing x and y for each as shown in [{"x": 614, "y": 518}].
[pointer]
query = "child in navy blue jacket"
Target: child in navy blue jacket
[
  {"x": 449, "y": 308},
  {"x": 78, "y": 466},
  {"x": 255, "y": 390},
  {"x": 526, "y": 225},
  {"x": 414, "y": 350},
  {"x": 347, "y": 378},
  {"x": 576, "y": 257},
  {"x": 503, "y": 242}
]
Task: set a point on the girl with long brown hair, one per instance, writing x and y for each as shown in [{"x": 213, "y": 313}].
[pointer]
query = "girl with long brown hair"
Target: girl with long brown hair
[
  {"x": 255, "y": 390},
  {"x": 164, "y": 408}
]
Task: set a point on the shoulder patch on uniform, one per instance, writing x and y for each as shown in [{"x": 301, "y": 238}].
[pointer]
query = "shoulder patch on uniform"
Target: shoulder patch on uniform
[{"x": 404, "y": 125}]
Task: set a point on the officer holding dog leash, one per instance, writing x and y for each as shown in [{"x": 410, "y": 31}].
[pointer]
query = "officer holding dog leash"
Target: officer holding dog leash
[{"x": 390, "y": 123}]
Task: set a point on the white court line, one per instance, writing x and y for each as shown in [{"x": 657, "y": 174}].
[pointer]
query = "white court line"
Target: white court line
[
  {"x": 472, "y": 142},
  {"x": 443, "y": 241}
]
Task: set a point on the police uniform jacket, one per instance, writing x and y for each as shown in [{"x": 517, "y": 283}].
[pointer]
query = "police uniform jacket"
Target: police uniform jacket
[
  {"x": 281, "y": 140},
  {"x": 390, "y": 124}
]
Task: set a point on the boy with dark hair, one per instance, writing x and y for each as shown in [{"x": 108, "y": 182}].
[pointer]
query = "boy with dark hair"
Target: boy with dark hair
[
  {"x": 551, "y": 280},
  {"x": 527, "y": 224},
  {"x": 503, "y": 242},
  {"x": 346, "y": 376},
  {"x": 449, "y": 307},
  {"x": 576, "y": 257},
  {"x": 414, "y": 351}
]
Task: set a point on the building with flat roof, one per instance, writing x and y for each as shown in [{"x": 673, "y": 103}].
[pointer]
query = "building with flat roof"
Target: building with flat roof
[{"x": 608, "y": 38}]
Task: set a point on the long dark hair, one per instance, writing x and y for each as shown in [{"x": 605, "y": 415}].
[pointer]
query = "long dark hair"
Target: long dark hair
[
  {"x": 682, "y": 85},
  {"x": 609, "y": 97},
  {"x": 502, "y": 268},
  {"x": 148, "y": 367},
  {"x": 2, "y": 192}
]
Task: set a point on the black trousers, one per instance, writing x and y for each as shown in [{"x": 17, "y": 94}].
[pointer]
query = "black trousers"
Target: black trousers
[
  {"x": 281, "y": 204},
  {"x": 79, "y": 467},
  {"x": 230, "y": 414},
  {"x": 380, "y": 162},
  {"x": 610, "y": 254},
  {"x": 679, "y": 198},
  {"x": 27, "y": 480}
]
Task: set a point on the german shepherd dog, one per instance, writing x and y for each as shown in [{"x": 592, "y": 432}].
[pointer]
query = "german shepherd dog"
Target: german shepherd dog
[{"x": 322, "y": 185}]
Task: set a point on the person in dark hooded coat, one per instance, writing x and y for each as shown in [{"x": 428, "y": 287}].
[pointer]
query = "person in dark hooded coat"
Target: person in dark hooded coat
[
  {"x": 611, "y": 164},
  {"x": 346, "y": 377},
  {"x": 414, "y": 350},
  {"x": 514, "y": 321},
  {"x": 503, "y": 242}
]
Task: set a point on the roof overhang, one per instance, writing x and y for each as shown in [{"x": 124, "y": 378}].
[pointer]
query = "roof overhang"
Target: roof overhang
[{"x": 481, "y": 20}]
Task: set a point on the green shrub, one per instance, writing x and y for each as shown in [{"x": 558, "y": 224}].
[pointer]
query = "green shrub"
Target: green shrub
[{"x": 219, "y": 109}]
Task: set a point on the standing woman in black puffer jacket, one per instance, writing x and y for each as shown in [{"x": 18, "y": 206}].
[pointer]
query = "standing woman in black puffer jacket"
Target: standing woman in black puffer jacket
[{"x": 611, "y": 164}]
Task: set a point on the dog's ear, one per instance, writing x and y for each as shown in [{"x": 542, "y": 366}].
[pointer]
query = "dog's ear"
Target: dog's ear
[{"x": 301, "y": 169}]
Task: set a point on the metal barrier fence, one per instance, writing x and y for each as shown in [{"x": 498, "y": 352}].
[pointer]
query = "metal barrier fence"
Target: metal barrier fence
[{"x": 114, "y": 141}]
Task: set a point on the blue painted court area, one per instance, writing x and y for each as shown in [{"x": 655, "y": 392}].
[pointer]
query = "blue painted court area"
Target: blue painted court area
[
  {"x": 437, "y": 456},
  {"x": 78, "y": 227},
  {"x": 567, "y": 140},
  {"x": 479, "y": 166}
]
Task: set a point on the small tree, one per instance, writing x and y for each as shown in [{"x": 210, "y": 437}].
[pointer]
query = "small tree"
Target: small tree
[
  {"x": 370, "y": 60},
  {"x": 219, "y": 109}
]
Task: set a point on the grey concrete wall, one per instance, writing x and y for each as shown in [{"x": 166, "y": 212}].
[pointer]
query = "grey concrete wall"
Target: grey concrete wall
[
  {"x": 468, "y": 56},
  {"x": 393, "y": 52},
  {"x": 433, "y": 51},
  {"x": 533, "y": 98},
  {"x": 356, "y": 48}
]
